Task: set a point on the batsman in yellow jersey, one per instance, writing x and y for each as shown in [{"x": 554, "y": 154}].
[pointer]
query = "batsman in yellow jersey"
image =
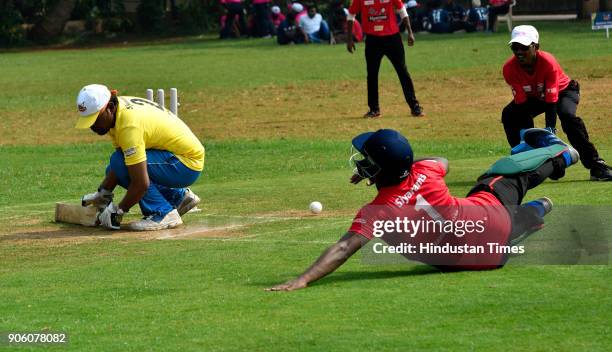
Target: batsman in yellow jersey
[{"x": 157, "y": 157}]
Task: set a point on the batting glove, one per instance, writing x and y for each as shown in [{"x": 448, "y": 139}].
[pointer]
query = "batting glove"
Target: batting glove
[
  {"x": 111, "y": 217},
  {"x": 100, "y": 199}
]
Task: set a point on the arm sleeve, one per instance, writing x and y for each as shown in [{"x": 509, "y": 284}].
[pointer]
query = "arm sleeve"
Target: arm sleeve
[
  {"x": 402, "y": 13},
  {"x": 132, "y": 145},
  {"x": 551, "y": 94},
  {"x": 362, "y": 223},
  {"x": 432, "y": 165},
  {"x": 398, "y": 4},
  {"x": 354, "y": 9}
]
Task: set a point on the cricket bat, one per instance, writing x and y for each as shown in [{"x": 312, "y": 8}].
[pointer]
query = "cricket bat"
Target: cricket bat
[{"x": 76, "y": 214}]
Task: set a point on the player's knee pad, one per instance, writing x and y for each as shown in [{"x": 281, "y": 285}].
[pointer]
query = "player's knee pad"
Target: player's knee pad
[{"x": 525, "y": 161}]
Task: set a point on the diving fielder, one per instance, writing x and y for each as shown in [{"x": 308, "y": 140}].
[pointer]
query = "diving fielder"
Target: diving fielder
[{"x": 415, "y": 189}]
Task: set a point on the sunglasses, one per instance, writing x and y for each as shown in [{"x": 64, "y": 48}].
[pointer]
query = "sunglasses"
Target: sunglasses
[{"x": 520, "y": 47}]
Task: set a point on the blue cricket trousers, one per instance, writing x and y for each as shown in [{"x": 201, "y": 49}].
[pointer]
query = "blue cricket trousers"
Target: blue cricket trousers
[{"x": 168, "y": 178}]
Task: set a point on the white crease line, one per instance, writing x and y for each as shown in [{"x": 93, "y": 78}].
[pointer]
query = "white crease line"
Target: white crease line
[
  {"x": 288, "y": 230},
  {"x": 167, "y": 235},
  {"x": 266, "y": 233},
  {"x": 242, "y": 239},
  {"x": 205, "y": 229},
  {"x": 35, "y": 204}
]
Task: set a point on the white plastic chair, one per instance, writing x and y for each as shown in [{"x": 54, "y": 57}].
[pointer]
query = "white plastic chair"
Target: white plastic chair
[{"x": 508, "y": 17}]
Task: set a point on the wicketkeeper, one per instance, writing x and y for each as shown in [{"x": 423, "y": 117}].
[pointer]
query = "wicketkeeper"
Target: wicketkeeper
[
  {"x": 415, "y": 189},
  {"x": 539, "y": 85},
  {"x": 157, "y": 156}
]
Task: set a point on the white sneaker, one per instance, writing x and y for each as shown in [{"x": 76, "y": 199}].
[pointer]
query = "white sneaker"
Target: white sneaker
[
  {"x": 171, "y": 220},
  {"x": 190, "y": 200}
]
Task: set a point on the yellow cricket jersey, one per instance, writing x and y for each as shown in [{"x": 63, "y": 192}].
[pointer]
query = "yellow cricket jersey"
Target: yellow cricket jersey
[{"x": 142, "y": 124}]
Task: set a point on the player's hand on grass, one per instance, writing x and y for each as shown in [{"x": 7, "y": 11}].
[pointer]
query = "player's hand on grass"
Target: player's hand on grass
[
  {"x": 290, "y": 285},
  {"x": 111, "y": 217},
  {"x": 350, "y": 45},
  {"x": 100, "y": 199},
  {"x": 355, "y": 179},
  {"x": 410, "y": 39}
]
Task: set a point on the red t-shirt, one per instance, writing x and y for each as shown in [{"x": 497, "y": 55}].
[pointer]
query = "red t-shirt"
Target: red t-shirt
[
  {"x": 423, "y": 195},
  {"x": 545, "y": 84},
  {"x": 498, "y": 2},
  {"x": 377, "y": 16},
  {"x": 357, "y": 31}
]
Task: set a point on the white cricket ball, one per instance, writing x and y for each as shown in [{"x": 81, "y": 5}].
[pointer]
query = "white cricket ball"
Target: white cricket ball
[{"x": 316, "y": 207}]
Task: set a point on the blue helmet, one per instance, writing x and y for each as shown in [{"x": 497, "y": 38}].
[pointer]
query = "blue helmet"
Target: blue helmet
[{"x": 386, "y": 152}]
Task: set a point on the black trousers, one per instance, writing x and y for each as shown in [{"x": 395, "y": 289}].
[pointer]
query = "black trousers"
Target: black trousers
[
  {"x": 233, "y": 9},
  {"x": 263, "y": 23},
  {"x": 495, "y": 11},
  {"x": 516, "y": 117},
  {"x": 510, "y": 190},
  {"x": 392, "y": 47}
]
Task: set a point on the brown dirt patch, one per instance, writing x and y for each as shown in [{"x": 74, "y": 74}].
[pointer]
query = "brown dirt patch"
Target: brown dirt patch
[
  {"x": 68, "y": 234},
  {"x": 38, "y": 230},
  {"x": 459, "y": 104}
]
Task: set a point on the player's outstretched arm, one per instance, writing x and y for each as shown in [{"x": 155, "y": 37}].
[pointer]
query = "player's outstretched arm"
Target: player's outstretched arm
[{"x": 327, "y": 263}]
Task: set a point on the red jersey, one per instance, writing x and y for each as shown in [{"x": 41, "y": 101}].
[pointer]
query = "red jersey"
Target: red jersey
[
  {"x": 545, "y": 84},
  {"x": 423, "y": 195},
  {"x": 377, "y": 16},
  {"x": 496, "y": 3}
]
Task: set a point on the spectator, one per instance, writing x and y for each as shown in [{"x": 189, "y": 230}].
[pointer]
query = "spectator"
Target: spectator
[
  {"x": 233, "y": 9},
  {"x": 477, "y": 16},
  {"x": 496, "y": 8},
  {"x": 288, "y": 31},
  {"x": 458, "y": 17},
  {"x": 277, "y": 17},
  {"x": 263, "y": 23},
  {"x": 299, "y": 11},
  {"x": 313, "y": 25},
  {"x": 337, "y": 17},
  {"x": 234, "y": 31},
  {"x": 339, "y": 25},
  {"x": 416, "y": 14},
  {"x": 439, "y": 18}
]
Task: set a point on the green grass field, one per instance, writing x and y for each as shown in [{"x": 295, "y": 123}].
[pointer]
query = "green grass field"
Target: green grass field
[{"x": 277, "y": 124}]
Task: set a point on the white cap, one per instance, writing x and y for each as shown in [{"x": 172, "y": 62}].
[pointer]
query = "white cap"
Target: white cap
[
  {"x": 525, "y": 35},
  {"x": 90, "y": 101},
  {"x": 275, "y": 10},
  {"x": 297, "y": 7},
  {"x": 412, "y": 3},
  {"x": 476, "y": 3}
]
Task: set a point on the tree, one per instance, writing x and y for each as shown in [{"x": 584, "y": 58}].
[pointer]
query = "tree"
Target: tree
[{"x": 52, "y": 24}]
